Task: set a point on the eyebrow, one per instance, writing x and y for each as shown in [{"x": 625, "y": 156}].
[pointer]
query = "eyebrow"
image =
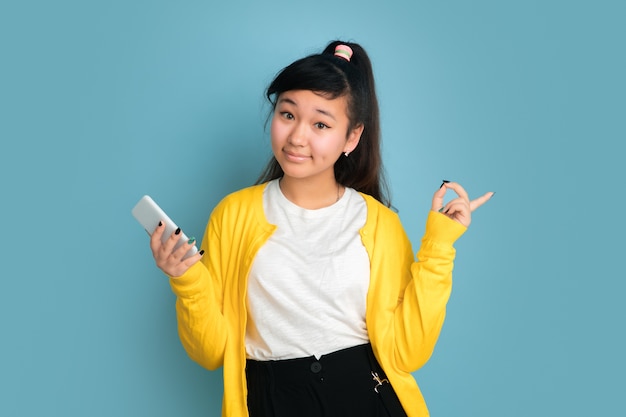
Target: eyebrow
[{"x": 321, "y": 111}]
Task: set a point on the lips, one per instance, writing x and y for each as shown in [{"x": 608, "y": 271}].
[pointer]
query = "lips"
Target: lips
[{"x": 294, "y": 156}]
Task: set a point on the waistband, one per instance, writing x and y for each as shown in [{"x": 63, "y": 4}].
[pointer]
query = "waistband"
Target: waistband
[{"x": 354, "y": 359}]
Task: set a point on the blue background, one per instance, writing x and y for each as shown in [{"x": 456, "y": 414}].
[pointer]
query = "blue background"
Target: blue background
[{"x": 104, "y": 101}]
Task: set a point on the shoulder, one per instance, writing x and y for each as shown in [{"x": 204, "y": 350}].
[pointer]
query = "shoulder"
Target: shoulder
[
  {"x": 377, "y": 212},
  {"x": 383, "y": 226},
  {"x": 244, "y": 202},
  {"x": 245, "y": 197},
  {"x": 383, "y": 234}
]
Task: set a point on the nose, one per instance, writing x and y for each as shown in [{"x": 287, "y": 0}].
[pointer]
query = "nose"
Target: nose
[{"x": 298, "y": 135}]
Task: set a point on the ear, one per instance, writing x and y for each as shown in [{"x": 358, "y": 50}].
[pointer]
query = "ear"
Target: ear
[{"x": 353, "y": 138}]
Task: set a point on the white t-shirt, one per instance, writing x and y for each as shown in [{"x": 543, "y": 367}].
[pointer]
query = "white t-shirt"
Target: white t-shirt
[{"x": 308, "y": 284}]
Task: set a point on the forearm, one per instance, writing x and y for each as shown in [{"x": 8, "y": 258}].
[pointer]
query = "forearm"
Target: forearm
[
  {"x": 201, "y": 323},
  {"x": 420, "y": 316}
]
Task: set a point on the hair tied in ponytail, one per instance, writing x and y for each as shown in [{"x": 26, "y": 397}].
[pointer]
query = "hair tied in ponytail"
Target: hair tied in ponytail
[{"x": 343, "y": 51}]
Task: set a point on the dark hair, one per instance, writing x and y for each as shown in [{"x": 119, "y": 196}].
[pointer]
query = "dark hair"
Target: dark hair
[{"x": 335, "y": 77}]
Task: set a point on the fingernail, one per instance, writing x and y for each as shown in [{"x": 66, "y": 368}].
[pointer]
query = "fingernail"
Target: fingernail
[
  {"x": 177, "y": 232},
  {"x": 160, "y": 223},
  {"x": 444, "y": 182},
  {"x": 492, "y": 194},
  {"x": 441, "y": 209},
  {"x": 190, "y": 241},
  {"x": 202, "y": 252}
]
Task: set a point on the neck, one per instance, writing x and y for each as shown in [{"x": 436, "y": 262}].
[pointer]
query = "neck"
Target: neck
[{"x": 310, "y": 194}]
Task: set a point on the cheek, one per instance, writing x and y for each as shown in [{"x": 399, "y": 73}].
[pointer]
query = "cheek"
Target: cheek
[
  {"x": 274, "y": 131},
  {"x": 332, "y": 146},
  {"x": 277, "y": 135}
]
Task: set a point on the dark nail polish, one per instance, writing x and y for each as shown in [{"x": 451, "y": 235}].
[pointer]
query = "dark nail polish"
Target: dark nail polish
[
  {"x": 160, "y": 223},
  {"x": 444, "y": 182},
  {"x": 190, "y": 241},
  {"x": 177, "y": 232},
  {"x": 202, "y": 252}
]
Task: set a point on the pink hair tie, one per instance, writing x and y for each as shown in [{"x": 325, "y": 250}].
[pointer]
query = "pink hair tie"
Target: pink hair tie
[{"x": 343, "y": 51}]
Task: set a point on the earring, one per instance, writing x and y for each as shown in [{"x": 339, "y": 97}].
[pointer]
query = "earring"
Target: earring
[{"x": 346, "y": 153}]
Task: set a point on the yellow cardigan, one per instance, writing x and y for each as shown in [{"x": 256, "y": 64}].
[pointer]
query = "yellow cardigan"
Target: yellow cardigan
[{"x": 406, "y": 301}]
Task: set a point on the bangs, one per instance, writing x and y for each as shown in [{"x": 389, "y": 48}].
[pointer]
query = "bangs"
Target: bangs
[{"x": 318, "y": 73}]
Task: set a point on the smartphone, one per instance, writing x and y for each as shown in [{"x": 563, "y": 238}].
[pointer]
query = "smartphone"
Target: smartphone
[{"x": 149, "y": 214}]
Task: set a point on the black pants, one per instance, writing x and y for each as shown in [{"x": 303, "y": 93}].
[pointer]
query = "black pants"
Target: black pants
[{"x": 339, "y": 384}]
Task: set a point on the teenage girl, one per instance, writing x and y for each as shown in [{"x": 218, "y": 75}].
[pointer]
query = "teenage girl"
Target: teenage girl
[{"x": 306, "y": 284}]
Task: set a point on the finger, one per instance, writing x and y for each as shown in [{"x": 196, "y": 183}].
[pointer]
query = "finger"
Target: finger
[
  {"x": 459, "y": 211},
  {"x": 181, "y": 267},
  {"x": 456, "y": 206},
  {"x": 457, "y": 200},
  {"x": 437, "y": 203},
  {"x": 170, "y": 243},
  {"x": 180, "y": 252},
  {"x": 474, "y": 204},
  {"x": 155, "y": 239},
  {"x": 193, "y": 259},
  {"x": 456, "y": 187}
]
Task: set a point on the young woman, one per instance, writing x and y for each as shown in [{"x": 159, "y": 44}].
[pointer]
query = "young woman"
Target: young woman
[{"x": 306, "y": 289}]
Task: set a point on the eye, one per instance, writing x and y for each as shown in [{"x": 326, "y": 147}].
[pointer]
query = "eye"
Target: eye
[
  {"x": 321, "y": 125},
  {"x": 286, "y": 115}
]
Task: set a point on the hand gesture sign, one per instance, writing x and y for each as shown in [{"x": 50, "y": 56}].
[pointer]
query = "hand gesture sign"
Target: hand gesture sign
[{"x": 460, "y": 208}]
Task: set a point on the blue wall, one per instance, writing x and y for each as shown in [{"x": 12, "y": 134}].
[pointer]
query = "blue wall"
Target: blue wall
[{"x": 104, "y": 101}]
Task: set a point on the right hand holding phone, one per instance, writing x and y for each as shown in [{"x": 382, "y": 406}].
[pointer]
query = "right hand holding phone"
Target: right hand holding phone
[{"x": 168, "y": 259}]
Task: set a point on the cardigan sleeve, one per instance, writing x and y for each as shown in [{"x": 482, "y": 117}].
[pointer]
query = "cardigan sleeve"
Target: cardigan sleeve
[
  {"x": 202, "y": 327},
  {"x": 421, "y": 309}
]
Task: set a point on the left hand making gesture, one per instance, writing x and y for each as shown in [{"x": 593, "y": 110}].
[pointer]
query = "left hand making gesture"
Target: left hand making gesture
[{"x": 460, "y": 208}]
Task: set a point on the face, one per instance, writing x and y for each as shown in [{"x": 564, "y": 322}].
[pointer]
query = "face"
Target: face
[{"x": 309, "y": 133}]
